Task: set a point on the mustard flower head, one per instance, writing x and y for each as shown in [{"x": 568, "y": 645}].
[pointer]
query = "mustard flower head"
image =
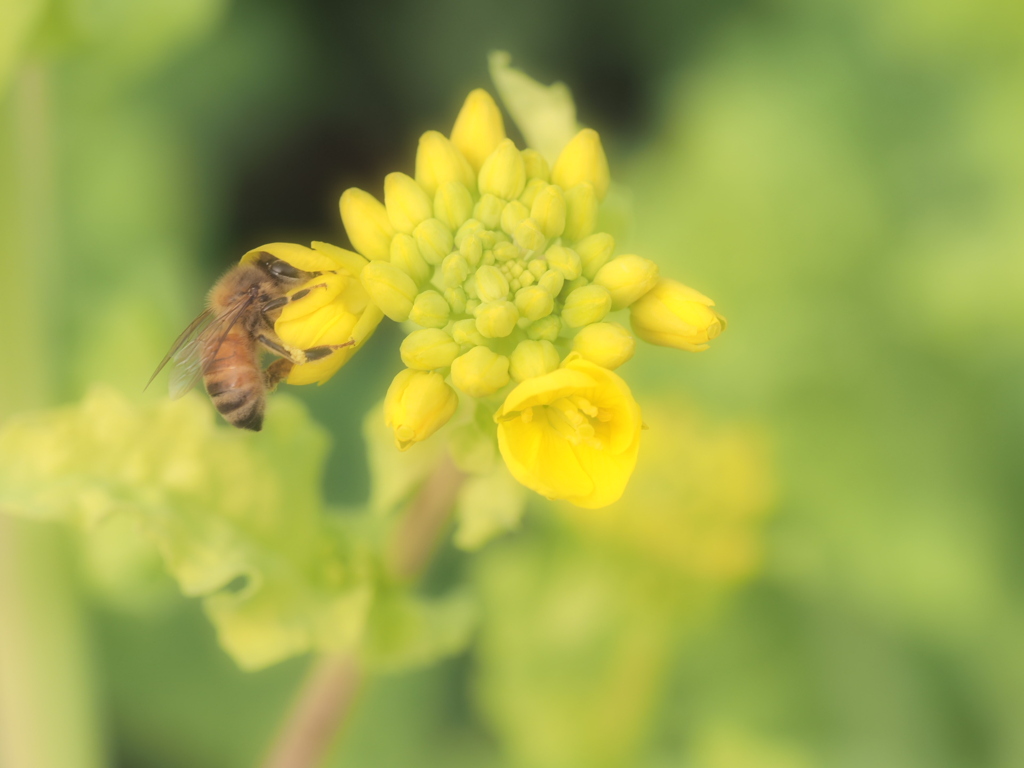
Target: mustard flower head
[{"x": 492, "y": 257}]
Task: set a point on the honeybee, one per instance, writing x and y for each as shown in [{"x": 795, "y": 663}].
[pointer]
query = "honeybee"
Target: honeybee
[{"x": 222, "y": 346}]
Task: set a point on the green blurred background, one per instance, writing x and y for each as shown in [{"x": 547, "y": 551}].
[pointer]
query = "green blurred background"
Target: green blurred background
[{"x": 835, "y": 576}]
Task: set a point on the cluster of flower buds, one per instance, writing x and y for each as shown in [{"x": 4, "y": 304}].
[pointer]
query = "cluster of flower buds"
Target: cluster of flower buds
[{"x": 493, "y": 259}]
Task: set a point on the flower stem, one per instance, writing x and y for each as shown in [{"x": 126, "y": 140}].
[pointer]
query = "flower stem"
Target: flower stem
[{"x": 326, "y": 697}]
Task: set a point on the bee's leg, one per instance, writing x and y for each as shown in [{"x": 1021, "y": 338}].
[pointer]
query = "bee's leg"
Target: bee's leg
[
  {"x": 277, "y": 372},
  {"x": 296, "y": 355}
]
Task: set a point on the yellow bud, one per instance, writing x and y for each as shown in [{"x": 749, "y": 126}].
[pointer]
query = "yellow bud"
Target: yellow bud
[
  {"x": 479, "y": 128},
  {"x": 514, "y": 213},
  {"x": 406, "y": 202},
  {"x": 469, "y": 227},
  {"x": 528, "y": 236},
  {"x": 538, "y": 267},
  {"x": 405, "y": 255},
  {"x": 546, "y": 328},
  {"x": 430, "y": 310},
  {"x": 496, "y": 319},
  {"x": 428, "y": 349},
  {"x": 505, "y": 252},
  {"x": 533, "y": 188},
  {"x": 674, "y": 315},
  {"x": 586, "y": 305},
  {"x": 417, "y": 405},
  {"x": 503, "y": 173},
  {"x": 472, "y": 249},
  {"x": 454, "y": 270},
  {"x": 491, "y": 285},
  {"x": 527, "y": 278},
  {"x": 389, "y": 288},
  {"x": 533, "y": 302},
  {"x": 627, "y": 278},
  {"x": 595, "y": 251},
  {"x": 465, "y": 333},
  {"x": 583, "y": 160},
  {"x": 606, "y": 344},
  {"x": 488, "y": 210},
  {"x": 552, "y": 282},
  {"x": 438, "y": 162},
  {"x": 532, "y": 358},
  {"x": 580, "y": 212},
  {"x": 453, "y": 204},
  {"x": 572, "y": 285},
  {"x": 480, "y": 372},
  {"x": 367, "y": 224},
  {"x": 434, "y": 240},
  {"x": 456, "y": 298},
  {"x": 565, "y": 260},
  {"x": 548, "y": 211},
  {"x": 536, "y": 165}
]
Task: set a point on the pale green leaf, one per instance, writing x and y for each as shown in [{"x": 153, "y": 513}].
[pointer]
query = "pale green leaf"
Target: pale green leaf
[
  {"x": 488, "y": 506},
  {"x": 18, "y": 20},
  {"x": 545, "y": 114}
]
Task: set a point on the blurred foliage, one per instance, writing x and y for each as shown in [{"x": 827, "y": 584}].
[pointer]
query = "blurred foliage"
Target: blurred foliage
[{"x": 846, "y": 179}]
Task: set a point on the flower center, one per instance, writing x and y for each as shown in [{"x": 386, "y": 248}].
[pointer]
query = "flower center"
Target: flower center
[{"x": 575, "y": 418}]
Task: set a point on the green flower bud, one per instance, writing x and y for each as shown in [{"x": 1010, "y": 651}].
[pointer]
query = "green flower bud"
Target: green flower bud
[
  {"x": 428, "y": 349},
  {"x": 389, "y": 288},
  {"x": 514, "y": 213},
  {"x": 456, "y": 298},
  {"x": 572, "y": 285},
  {"x": 496, "y": 319},
  {"x": 406, "y": 202},
  {"x": 469, "y": 227},
  {"x": 547, "y": 328},
  {"x": 480, "y": 372},
  {"x": 488, "y": 258},
  {"x": 367, "y": 224},
  {"x": 465, "y": 333},
  {"x": 534, "y": 302},
  {"x": 472, "y": 249},
  {"x": 586, "y": 305},
  {"x": 434, "y": 240},
  {"x": 527, "y": 278},
  {"x": 580, "y": 212},
  {"x": 533, "y": 188},
  {"x": 438, "y": 162},
  {"x": 503, "y": 173},
  {"x": 430, "y": 310},
  {"x": 565, "y": 260},
  {"x": 532, "y": 358},
  {"x": 472, "y": 305},
  {"x": 627, "y": 278},
  {"x": 538, "y": 267},
  {"x": 417, "y": 405},
  {"x": 606, "y": 344},
  {"x": 548, "y": 211},
  {"x": 505, "y": 252},
  {"x": 583, "y": 160},
  {"x": 536, "y": 166},
  {"x": 514, "y": 284},
  {"x": 488, "y": 211},
  {"x": 405, "y": 255},
  {"x": 595, "y": 250},
  {"x": 454, "y": 270},
  {"x": 453, "y": 205},
  {"x": 491, "y": 285},
  {"x": 528, "y": 236},
  {"x": 552, "y": 281}
]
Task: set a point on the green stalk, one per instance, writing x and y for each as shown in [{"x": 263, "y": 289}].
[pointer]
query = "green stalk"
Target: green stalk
[{"x": 48, "y": 712}]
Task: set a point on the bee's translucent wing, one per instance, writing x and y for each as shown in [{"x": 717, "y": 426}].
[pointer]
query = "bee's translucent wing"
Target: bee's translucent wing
[{"x": 187, "y": 338}]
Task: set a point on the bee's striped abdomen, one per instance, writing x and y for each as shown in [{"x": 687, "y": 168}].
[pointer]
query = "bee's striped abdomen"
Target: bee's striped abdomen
[{"x": 235, "y": 383}]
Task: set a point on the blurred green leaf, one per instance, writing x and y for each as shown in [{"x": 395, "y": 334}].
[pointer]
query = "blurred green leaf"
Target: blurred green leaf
[
  {"x": 18, "y": 20},
  {"x": 488, "y": 506}
]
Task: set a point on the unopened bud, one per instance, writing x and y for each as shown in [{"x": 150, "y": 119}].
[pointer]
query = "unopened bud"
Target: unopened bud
[
  {"x": 536, "y": 166},
  {"x": 503, "y": 173},
  {"x": 453, "y": 204},
  {"x": 472, "y": 249},
  {"x": 367, "y": 224},
  {"x": 546, "y": 328},
  {"x": 595, "y": 250},
  {"x": 465, "y": 333},
  {"x": 454, "y": 270},
  {"x": 580, "y": 212},
  {"x": 565, "y": 260},
  {"x": 533, "y": 302},
  {"x": 583, "y": 160},
  {"x": 627, "y": 278},
  {"x": 532, "y": 358},
  {"x": 480, "y": 372},
  {"x": 406, "y": 202},
  {"x": 491, "y": 285},
  {"x": 434, "y": 240},
  {"x": 548, "y": 211},
  {"x": 533, "y": 188},
  {"x": 438, "y": 162},
  {"x": 479, "y": 128},
  {"x": 504, "y": 252},
  {"x": 456, "y": 298},
  {"x": 527, "y": 235},
  {"x": 430, "y": 310},
  {"x": 417, "y": 405},
  {"x": 586, "y": 305},
  {"x": 496, "y": 319},
  {"x": 428, "y": 349},
  {"x": 389, "y": 288},
  {"x": 606, "y": 344},
  {"x": 551, "y": 281},
  {"x": 405, "y": 255},
  {"x": 674, "y": 315},
  {"x": 514, "y": 214},
  {"x": 469, "y": 227}
]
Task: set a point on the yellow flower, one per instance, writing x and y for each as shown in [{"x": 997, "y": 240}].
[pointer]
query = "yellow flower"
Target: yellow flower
[
  {"x": 674, "y": 315},
  {"x": 571, "y": 434},
  {"x": 334, "y": 314},
  {"x": 418, "y": 404}
]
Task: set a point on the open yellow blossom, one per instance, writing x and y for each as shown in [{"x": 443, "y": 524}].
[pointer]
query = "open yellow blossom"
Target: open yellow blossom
[
  {"x": 571, "y": 434},
  {"x": 338, "y": 312}
]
